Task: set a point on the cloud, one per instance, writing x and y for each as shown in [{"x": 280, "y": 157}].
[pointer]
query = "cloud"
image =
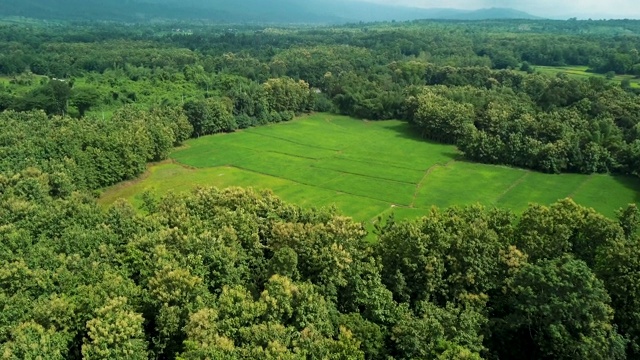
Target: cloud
[{"x": 549, "y": 8}]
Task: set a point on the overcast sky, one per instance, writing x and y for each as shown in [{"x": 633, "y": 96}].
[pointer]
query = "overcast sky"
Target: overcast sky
[{"x": 548, "y": 8}]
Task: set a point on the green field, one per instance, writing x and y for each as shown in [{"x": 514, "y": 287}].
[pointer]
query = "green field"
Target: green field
[
  {"x": 581, "y": 72},
  {"x": 365, "y": 169}
]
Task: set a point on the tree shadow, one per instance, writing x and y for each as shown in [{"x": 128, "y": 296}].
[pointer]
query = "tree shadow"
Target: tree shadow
[
  {"x": 631, "y": 183},
  {"x": 405, "y": 130}
]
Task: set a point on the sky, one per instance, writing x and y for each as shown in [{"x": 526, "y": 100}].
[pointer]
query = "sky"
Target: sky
[{"x": 595, "y": 9}]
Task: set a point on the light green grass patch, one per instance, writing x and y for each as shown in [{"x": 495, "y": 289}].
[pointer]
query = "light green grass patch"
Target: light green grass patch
[
  {"x": 581, "y": 72},
  {"x": 165, "y": 177},
  {"x": 365, "y": 169},
  {"x": 606, "y": 193},
  {"x": 285, "y": 145},
  {"x": 211, "y": 156},
  {"x": 378, "y": 189},
  {"x": 370, "y": 168},
  {"x": 288, "y": 167},
  {"x": 466, "y": 183},
  {"x": 171, "y": 177},
  {"x": 541, "y": 188}
]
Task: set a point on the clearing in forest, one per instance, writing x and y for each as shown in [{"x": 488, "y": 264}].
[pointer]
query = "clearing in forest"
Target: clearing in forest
[
  {"x": 581, "y": 72},
  {"x": 365, "y": 169}
]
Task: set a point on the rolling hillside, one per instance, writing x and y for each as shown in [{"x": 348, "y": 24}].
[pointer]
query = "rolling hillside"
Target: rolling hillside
[{"x": 277, "y": 11}]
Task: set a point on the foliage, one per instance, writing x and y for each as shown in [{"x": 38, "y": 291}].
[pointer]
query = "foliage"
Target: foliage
[
  {"x": 238, "y": 78},
  {"x": 89, "y": 153},
  {"x": 237, "y": 274},
  {"x": 548, "y": 315}
]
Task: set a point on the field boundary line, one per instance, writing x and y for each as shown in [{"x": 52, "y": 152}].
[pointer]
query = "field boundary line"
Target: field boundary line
[
  {"x": 291, "y": 141},
  {"x": 278, "y": 152},
  {"x": 378, "y": 163},
  {"x": 427, "y": 173},
  {"x": 582, "y": 184},
  {"x": 328, "y": 181},
  {"x": 512, "y": 186},
  {"x": 312, "y": 185},
  {"x": 363, "y": 175},
  {"x": 373, "y": 219}
]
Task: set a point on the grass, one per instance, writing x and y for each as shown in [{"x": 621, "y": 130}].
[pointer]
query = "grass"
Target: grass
[
  {"x": 365, "y": 169},
  {"x": 20, "y": 89},
  {"x": 581, "y": 72}
]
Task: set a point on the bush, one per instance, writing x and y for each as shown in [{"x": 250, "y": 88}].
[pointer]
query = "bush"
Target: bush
[{"x": 245, "y": 121}]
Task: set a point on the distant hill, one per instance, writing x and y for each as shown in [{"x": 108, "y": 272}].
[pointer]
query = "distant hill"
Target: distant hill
[
  {"x": 496, "y": 13},
  {"x": 240, "y": 11}
]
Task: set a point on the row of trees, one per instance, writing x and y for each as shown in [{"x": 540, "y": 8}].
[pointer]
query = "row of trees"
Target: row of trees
[
  {"x": 532, "y": 121},
  {"x": 70, "y": 50},
  {"x": 93, "y": 152}
]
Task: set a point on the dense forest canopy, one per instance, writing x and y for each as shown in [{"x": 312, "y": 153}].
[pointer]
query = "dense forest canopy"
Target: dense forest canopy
[
  {"x": 236, "y": 274},
  {"x": 482, "y": 91}
]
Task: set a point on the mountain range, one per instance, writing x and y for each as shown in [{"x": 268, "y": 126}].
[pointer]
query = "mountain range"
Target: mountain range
[{"x": 241, "y": 11}]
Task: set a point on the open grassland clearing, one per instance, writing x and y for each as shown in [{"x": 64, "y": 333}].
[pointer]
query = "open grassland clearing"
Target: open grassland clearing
[
  {"x": 366, "y": 169},
  {"x": 21, "y": 84},
  {"x": 581, "y": 72}
]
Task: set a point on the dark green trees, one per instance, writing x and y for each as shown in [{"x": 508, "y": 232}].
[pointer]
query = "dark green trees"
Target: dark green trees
[
  {"x": 210, "y": 116},
  {"x": 90, "y": 153},
  {"x": 230, "y": 274},
  {"x": 442, "y": 119},
  {"x": 84, "y": 98},
  {"x": 551, "y": 125},
  {"x": 248, "y": 104},
  {"x": 236, "y": 274},
  {"x": 52, "y": 97},
  {"x": 537, "y": 287},
  {"x": 557, "y": 309}
]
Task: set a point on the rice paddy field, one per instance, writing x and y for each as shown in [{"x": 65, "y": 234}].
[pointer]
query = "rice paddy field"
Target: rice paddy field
[{"x": 366, "y": 169}]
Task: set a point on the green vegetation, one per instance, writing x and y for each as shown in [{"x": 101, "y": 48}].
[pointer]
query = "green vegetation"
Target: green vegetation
[
  {"x": 582, "y": 72},
  {"x": 234, "y": 274},
  {"x": 231, "y": 273},
  {"x": 553, "y": 125},
  {"x": 365, "y": 169}
]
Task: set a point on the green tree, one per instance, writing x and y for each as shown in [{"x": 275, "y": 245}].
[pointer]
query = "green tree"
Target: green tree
[
  {"x": 210, "y": 116},
  {"x": 439, "y": 333},
  {"x": 629, "y": 220},
  {"x": 565, "y": 228},
  {"x": 442, "y": 119},
  {"x": 84, "y": 98},
  {"x": 619, "y": 268},
  {"x": 30, "y": 340},
  {"x": 556, "y": 309},
  {"x": 203, "y": 339},
  {"x": 115, "y": 333},
  {"x": 447, "y": 256},
  {"x": 51, "y": 97},
  {"x": 285, "y": 94}
]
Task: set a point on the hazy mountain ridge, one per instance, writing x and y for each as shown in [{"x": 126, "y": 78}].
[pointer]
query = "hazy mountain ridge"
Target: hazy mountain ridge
[
  {"x": 497, "y": 13},
  {"x": 282, "y": 11}
]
